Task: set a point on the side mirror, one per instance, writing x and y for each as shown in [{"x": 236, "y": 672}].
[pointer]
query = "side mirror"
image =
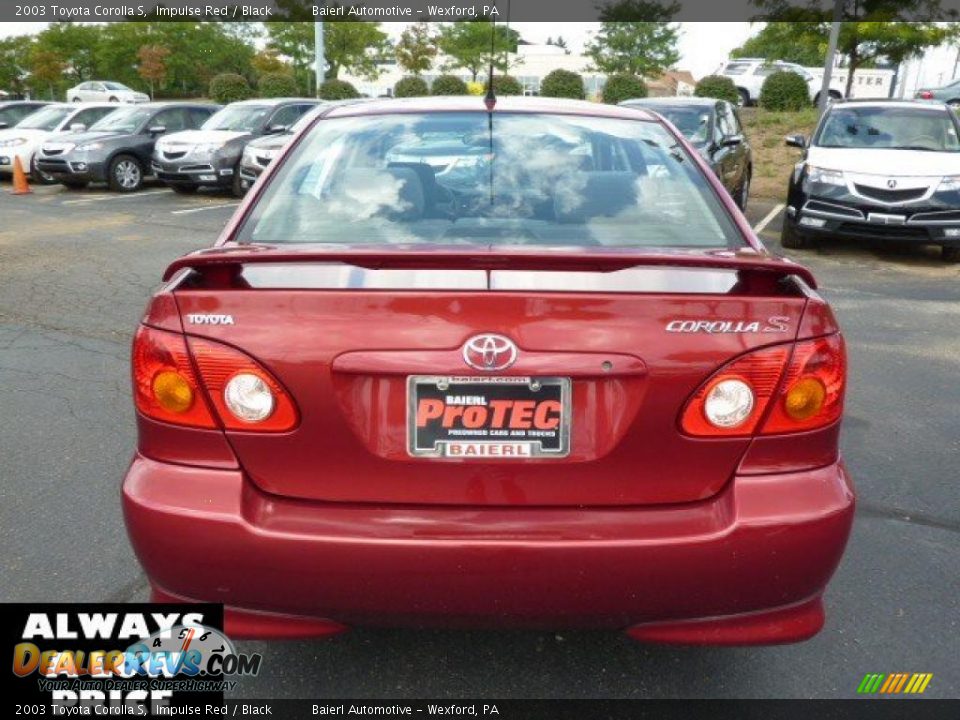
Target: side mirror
[
  {"x": 276, "y": 129},
  {"x": 157, "y": 130},
  {"x": 4, "y": 124},
  {"x": 797, "y": 141},
  {"x": 732, "y": 140},
  {"x": 78, "y": 127}
]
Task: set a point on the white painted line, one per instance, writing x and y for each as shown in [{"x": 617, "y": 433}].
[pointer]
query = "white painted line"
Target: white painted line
[
  {"x": 205, "y": 207},
  {"x": 118, "y": 196},
  {"x": 759, "y": 227}
]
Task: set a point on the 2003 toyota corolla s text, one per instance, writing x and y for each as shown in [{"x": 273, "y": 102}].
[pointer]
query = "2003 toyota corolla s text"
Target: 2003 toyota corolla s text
[{"x": 491, "y": 364}]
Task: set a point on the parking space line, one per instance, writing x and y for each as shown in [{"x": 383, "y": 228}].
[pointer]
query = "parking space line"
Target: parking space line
[
  {"x": 206, "y": 207},
  {"x": 102, "y": 198},
  {"x": 760, "y": 226}
]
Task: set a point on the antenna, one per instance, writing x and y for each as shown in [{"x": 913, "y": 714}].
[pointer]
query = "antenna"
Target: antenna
[{"x": 491, "y": 99}]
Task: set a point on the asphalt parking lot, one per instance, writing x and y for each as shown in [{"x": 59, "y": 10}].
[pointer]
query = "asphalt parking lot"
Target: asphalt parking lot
[{"x": 76, "y": 268}]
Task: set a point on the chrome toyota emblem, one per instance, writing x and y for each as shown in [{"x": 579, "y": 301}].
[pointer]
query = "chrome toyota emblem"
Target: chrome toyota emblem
[
  {"x": 891, "y": 183},
  {"x": 489, "y": 352}
]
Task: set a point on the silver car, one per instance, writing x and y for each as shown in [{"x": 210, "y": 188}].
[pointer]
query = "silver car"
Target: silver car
[{"x": 105, "y": 91}]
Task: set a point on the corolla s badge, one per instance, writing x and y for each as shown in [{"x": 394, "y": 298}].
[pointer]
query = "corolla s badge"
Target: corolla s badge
[
  {"x": 774, "y": 324},
  {"x": 489, "y": 352}
]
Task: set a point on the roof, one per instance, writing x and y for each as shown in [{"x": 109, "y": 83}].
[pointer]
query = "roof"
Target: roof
[
  {"x": 674, "y": 101},
  {"x": 275, "y": 101},
  {"x": 174, "y": 103},
  {"x": 886, "y": 102},
  {"x": 474, "y": 103}
]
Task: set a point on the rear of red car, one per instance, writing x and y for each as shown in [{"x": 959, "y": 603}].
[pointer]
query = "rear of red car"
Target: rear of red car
[{"x": 524, "y": 367}]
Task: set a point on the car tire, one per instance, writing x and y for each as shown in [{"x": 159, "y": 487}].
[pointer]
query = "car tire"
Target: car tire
[
  {"x": 744, "y": 100},
  {"x": 184, "y": 189},
  {"x": 743, "y": 193},
  {"x": 76, "y": 99},
  {"x": 38, "y": 177},
  {"x": 113, "y": 99},
  {"x": 950, "y": 254},
  {"x": 955, "y": 104},
  {"x": 125, "y": 174},
  {"x": 74, "y": 184},
  {"x": 790, "y": 238}
]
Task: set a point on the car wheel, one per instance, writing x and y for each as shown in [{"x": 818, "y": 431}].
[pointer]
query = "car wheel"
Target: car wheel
[
  {"x": 76, "y": 99},
  {"x": 790, "y": 238},
  {"x": 744, "y": 100},
  {"x": 38, "y": 176},
  {"x": 955, "y": 104},
  {"x": 184, "y": 189},
  {"x": 74, "y": 184},
  {"x": 125, "y": 174},
  {"x": 113, "y": 99},
  {"x": 950, "y": 254},
  {"x": 744, "y": 193}
]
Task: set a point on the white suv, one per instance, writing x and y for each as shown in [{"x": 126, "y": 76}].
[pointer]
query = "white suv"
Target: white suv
[
  {"x": 749, "y": 74},
  {"x": 105, "y": 91}
]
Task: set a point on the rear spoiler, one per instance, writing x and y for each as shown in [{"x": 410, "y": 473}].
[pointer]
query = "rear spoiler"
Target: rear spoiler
[{"x": 232, "y": 258}]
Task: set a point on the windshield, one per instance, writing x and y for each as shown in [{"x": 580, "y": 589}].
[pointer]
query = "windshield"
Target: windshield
[
  {"x": 693, "y": 122},
  {"x": 892, "y": 128},
  {"x": 115, "y": 86},
  {"x": 48, "y": 118},
  {"x": 238, "y": 118},
  {"x": 518, "y": 179},
  {"x": 126, "y": 120}
]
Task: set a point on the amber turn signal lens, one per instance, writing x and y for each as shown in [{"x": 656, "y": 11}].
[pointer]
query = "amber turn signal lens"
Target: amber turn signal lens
[
  {"x": 172, "y": 391},
  {"x": 805, "y": 398}
]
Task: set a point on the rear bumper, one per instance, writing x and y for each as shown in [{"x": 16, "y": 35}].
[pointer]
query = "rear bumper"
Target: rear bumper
[{"x": 747, "y": 566}]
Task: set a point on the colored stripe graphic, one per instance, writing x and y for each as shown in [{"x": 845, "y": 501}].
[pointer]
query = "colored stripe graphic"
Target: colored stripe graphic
[{"x": 894, "y": 683}]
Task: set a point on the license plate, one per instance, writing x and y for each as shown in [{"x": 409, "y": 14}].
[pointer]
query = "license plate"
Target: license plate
[
  {"x": 488, "y": 418},
  {"x": 886, "y": 219}
]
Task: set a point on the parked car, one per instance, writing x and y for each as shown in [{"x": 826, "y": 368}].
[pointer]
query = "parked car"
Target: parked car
[
  {"x": 118, "y": 148},
  {"x": 211, "y": 155},
  {"x": 261, "y": 151},
  {"x": 13, "y": 111},
  {"x": 949, "y": 94},
  {"x": 880, "y": 170},
  {"x": 749, "y": 74},
  {"x": 105, "y": 91},
  {"x": 56, "y": 119},
  {"x": 576, "y": 392},
  {"x": 713, "y": 127}
]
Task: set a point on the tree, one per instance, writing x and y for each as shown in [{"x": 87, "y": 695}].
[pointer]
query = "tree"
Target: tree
[
  {"x": 560, "y": 43},
  {"x": 14, "y": 63},
  {"x": 416, "y": 48},
  {"x": 562, "y": 84},
  {"x": 357, "y": 47},
  {"x": 46, "y": 69},
  {"x": 268, "y": 62},
  {"x": 153, "y": 66},
  {"x": 468, "y": 45},
  {"x": 872, "y": 30},
  {"x": 75, "y": 45},
  {"x": 780, "y": 41},
  {"x": 634, "y": 48}
]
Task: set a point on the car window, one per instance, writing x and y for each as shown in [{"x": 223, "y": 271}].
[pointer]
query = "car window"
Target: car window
[
  {"x": 734, "y": 118},
  {"x": 122, "y": 120},
  {"x": 173, "y": 119},
  {"x": 89, "y": 116},
  {"x": 522, "y": 179},
  {"x": 286, "y": 116},
  {"x": 47, "y": 118},
  {"x": 239, "y": 118},
  {"x": 766, "y": 70},
  {"x": 736, "y": 68},
  {"x": 198, "y": 116},
  {"x": 725, "y": 121},
  {"x": 115, "y": 86},
  {"x": 693, "y": 122},
  {"x": 896, "y": 128},
  {"x": 15, "y": 113}
]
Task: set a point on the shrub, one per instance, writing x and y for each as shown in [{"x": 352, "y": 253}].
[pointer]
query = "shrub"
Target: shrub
[
  {"x": 411, "y": 86},
  {"x": 337, "y": 90},
  {"x": 506, "y": 85},
  {"x": 784, "y": 90},
  {"x": 448, "y": 85},
  {"x": 718, "y": 87},
  {"x": 623, "y": 87},
  {"x": 277, "y": 84},
  {"x": 229, "y": 87},
  {"x": 562, "y": 84},
  {"x": 476, "y": 88}
]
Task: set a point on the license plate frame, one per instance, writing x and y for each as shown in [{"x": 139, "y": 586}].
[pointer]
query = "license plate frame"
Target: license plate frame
[{"x": 473, "y": 444}]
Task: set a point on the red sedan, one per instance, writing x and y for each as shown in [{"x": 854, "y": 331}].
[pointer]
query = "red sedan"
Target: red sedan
[{"x": 520, "y": 364}]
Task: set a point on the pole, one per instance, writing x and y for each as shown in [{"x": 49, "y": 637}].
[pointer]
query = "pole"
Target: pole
[
  {"x": 319, "y": 61},
  {"x": 831, "y": 54}
]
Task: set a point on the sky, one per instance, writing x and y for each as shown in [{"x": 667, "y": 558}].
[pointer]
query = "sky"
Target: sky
[{"x": 703, "y": 46}]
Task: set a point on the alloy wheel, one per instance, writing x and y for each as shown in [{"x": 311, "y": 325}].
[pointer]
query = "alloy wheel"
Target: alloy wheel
[{"x": 127, "y": 174}]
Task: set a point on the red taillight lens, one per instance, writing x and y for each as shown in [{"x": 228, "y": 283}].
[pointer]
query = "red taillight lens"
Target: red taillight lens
[
  {"x": 254, "y": 401},
  {"x": 806, "y": 395},
  {"x": 760, "y": 370},
  {"x": 164, "y": 384},
  {"x": 813, "y": 388},
  {"x": 925, "y": 95}
]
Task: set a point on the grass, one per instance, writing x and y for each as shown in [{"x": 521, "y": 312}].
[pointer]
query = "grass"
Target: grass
[{"x": 773, "y": 161}]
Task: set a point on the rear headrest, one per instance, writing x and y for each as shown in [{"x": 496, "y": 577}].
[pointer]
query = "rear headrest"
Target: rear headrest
[{"x": 581, "y": 196}]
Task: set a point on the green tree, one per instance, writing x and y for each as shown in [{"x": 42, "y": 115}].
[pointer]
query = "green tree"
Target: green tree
[
  {"x": 268, "y": 62},
  {"x": 634, "y": 48},
  {"x": 46, "y": 70},
  {"x": 562, "y": 84},
  {"x": 623, "y": 87},
  {"x": 468, "y": 44},
  {"x": 872, "y": 30},
  {"x": 75, "y": 45},
  {"x": 416, "y": 48},
  {"x": 780, "y": 41},
  {"x": 356, "y": 47},
  {"x": 411, "y": 86},
  {"x": 14, "y": 62}
]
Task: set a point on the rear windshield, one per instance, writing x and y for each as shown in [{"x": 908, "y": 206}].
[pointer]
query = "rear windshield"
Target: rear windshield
[
  {"x": 238, "y": 118},
  {"x": 125, "y": 120},
  {"x": 505, "y": 179},
  {"x": 48, "y": 118},
  {"x": 693, "y": 122},
  {"x": 891, "y": 128}
]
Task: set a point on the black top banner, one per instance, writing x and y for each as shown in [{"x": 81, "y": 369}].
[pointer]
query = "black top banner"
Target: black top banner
[{"x": 458, "y": 10}]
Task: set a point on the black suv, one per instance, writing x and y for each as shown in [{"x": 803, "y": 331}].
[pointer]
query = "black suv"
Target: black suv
[{"x": 118, "y": 148}]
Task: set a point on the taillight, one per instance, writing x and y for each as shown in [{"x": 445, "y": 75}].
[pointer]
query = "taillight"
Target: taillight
[
  {"x": 164, "y": 384},
  {"x": 805, "y": 395},
  {"x": 245, "y": 395},
  {"x": 925, "y": 95}
]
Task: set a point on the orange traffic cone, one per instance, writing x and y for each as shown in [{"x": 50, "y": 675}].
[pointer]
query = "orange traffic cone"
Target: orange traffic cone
[{"x": 20, "y": 184}]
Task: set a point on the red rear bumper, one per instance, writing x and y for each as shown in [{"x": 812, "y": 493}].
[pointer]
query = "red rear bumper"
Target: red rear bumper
[{"x": 747, "y": 566}]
